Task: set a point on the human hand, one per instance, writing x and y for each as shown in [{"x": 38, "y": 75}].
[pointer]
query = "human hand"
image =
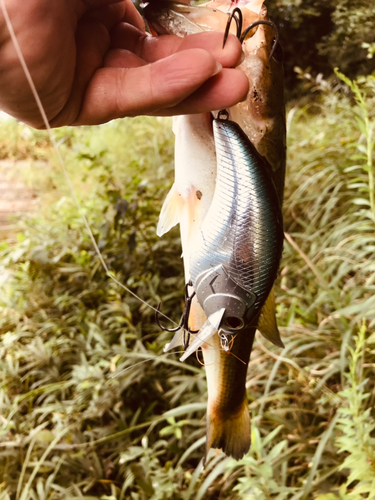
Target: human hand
[{"x": 92, "y": 61}]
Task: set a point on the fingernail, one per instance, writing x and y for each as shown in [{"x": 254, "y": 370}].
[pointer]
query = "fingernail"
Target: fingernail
[{"x": 217, "y": 69}]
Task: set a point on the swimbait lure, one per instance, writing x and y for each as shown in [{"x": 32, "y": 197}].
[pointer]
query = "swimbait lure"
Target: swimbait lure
[{"x": 237, "y": 252}]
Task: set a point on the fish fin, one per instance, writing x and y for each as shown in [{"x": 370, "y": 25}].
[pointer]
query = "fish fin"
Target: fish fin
[
  {"x": 178, "y": 208},
  {"x": 176, "y": 341},
  {"x": 267, "y": 321},
  {"x": 171, "y": 211},
  {"x": 231, "y": 434},
  {"x": 209, "y": 329}
]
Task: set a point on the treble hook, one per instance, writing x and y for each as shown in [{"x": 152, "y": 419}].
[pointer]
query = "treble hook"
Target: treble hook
[
  {"x": 241, "y": 35},
  {"x": 237, "y": 16},
  {"x": 267, "y": 23},
  {"x": 184, "y": 321},
  {"x": 224, "y": 342}
]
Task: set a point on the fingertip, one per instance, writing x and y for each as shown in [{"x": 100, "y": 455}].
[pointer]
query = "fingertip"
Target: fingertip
[
  {"x": 188, "y": 68},
  {"x": 243, "y": 84},
  {"x": 231, "y": 85},
  {"x": 228, "y": 55},
  {"x": 232, "y": 50}
]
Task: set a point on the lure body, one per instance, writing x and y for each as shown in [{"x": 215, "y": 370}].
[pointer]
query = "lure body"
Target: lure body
[{"x": 238, "y": 249}]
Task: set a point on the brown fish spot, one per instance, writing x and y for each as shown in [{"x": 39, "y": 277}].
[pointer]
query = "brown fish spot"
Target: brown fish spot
[
  {"x": 199, "y": 194},
  {"x": 256, "y": 96}
]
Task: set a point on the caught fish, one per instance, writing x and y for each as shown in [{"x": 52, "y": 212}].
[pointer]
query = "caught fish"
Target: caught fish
[{"x": 204, "y": 194}]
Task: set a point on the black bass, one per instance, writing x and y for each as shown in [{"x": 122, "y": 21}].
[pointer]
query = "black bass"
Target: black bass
[{"x": 262, "y": 119}]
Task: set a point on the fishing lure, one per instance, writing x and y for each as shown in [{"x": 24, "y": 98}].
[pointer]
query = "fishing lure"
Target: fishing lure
[
  {"x": 238, "y": 249},
  {"x": 235, "y": 257}
]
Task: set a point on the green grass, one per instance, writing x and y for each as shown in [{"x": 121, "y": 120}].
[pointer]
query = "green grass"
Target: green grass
[{"x": 89, "y": 405}]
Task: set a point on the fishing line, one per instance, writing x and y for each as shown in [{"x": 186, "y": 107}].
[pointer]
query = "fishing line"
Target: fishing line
[
  {"x": 61, "y": 162},
  {"x": 121, "y": 372},
  {"x": 155, "y": 358}
]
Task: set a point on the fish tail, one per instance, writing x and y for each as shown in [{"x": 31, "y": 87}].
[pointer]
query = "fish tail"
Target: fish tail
[
  {"x": 230, "y": 433},
  {"x": 228, "y": 420}
]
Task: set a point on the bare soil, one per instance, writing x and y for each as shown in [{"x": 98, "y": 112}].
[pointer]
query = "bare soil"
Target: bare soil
[{"x": 16, "y": 198}]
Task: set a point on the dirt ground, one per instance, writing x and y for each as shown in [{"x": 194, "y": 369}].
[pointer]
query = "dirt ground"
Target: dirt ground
[{"x": 16, "y": 198}]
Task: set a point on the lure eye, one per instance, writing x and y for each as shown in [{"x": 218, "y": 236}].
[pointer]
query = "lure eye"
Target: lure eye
[{"x": 233, "y": 322}]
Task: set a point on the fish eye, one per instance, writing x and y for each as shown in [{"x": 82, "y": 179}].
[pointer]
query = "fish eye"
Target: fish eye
[
  {"x": 234, "y": 322},
  {"x": 278, "y": 53}
]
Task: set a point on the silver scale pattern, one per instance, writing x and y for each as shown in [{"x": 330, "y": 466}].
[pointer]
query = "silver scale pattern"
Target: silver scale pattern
[{"x": 243, "y": 229}]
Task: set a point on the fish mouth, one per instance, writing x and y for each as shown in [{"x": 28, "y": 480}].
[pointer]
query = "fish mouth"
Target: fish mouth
[
  {"x": 167, "y": 17},
  {"x": 182, "y": 19},
  {"x": 185, "y": 18}
]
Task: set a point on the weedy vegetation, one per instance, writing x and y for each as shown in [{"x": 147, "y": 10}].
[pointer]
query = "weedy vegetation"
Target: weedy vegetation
[{"x": 90, "y": 407}]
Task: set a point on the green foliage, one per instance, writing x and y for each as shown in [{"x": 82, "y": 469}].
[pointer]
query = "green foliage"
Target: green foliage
[
  {"x": 302, "y": 27},
  {"x": 319, "y": 35},
  {"x": 262, "y": 472},
  {"x": 356, "y": 425},
  {"x": 365, "y": 118},
  {"x": 19, "y": 142},
  {"x": 80, "y": 344},
  {"x": 90, "y": 406},
  {"x": 354, "y": 24}
]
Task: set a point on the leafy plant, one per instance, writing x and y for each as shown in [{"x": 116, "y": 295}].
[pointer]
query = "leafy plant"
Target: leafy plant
[
  {"x": 366, "y": 124},
  {"x": 354, "y": 22},
  {"x": 91, "y": 407},
  {"x": 356, "y": 425}
]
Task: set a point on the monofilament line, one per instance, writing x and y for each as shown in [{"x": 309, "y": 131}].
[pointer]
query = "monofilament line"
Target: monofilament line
[{"x": 60, "y": 160}]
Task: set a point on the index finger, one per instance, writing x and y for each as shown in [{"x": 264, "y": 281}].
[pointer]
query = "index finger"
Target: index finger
[{"x": 151, "y": 49}]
